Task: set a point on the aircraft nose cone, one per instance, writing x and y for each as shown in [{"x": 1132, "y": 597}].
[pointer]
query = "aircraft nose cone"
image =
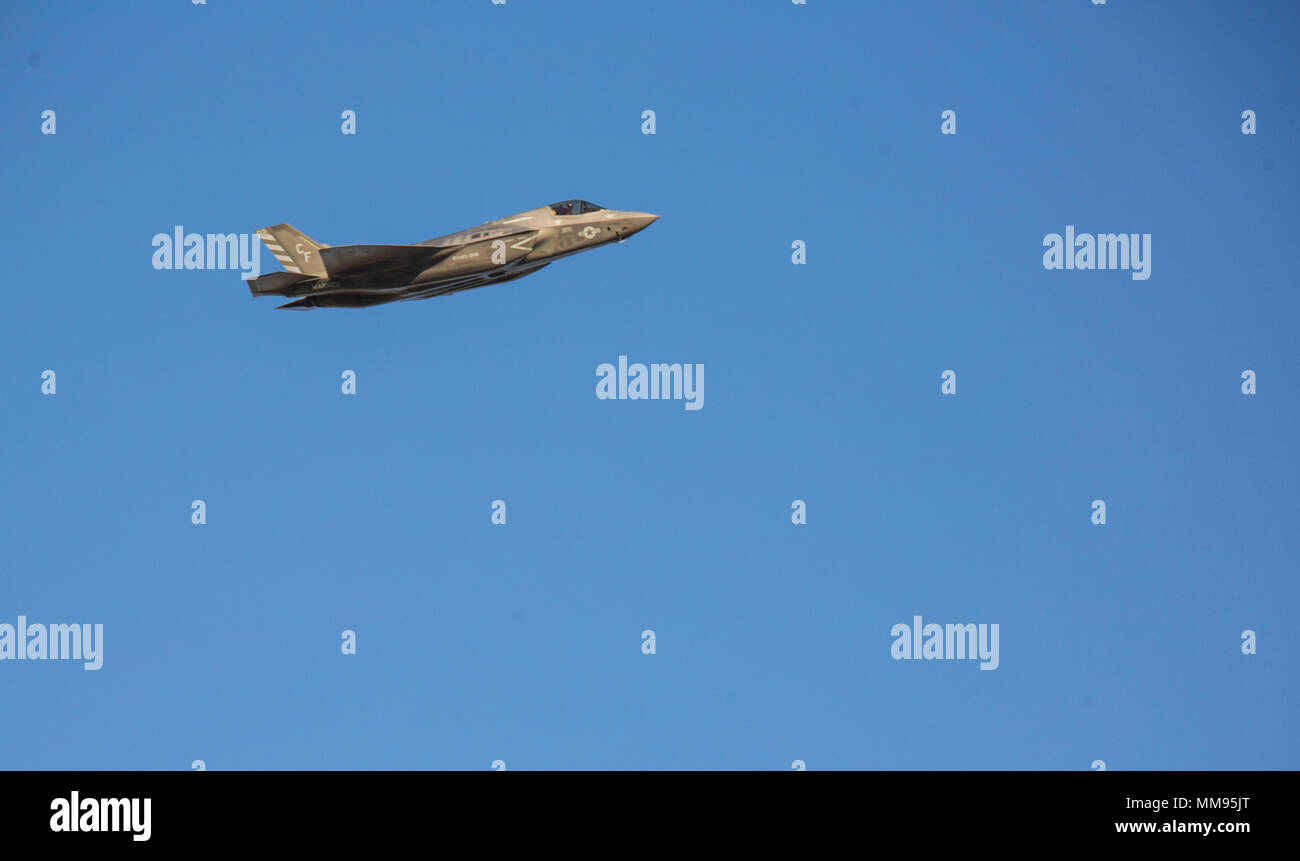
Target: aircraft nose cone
[{"x": 638, "y": 221}]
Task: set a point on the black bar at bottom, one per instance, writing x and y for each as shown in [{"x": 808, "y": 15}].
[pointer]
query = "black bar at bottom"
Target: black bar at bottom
[{"x": 627, "y": 812}]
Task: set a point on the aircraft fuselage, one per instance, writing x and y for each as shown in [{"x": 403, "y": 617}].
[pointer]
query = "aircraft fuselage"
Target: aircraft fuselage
[{"x": 491, "y": 253}]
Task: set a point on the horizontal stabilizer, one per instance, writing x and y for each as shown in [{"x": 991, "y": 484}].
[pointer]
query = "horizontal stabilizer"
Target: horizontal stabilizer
[{"x": 277, "y": 283}]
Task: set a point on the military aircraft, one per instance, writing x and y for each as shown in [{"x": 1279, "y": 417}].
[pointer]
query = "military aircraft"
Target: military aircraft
[{"x": 355, "y": 276}]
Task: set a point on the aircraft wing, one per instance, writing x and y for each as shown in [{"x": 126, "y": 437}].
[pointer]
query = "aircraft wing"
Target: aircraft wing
[{"x": 347, "y": 258}]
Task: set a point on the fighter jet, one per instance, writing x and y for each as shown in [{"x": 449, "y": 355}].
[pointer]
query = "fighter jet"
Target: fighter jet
[{"x": 355, "y": 276}]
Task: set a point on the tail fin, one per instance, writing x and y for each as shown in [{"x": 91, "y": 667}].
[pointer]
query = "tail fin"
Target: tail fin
[{"x": 296, "y": 252}]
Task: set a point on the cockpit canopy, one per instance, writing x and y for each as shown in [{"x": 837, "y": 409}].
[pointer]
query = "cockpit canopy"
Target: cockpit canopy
[{"x": 575, "y": 207}]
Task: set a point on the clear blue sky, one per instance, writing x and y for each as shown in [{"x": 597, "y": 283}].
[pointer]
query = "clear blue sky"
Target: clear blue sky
[{"x": 522, "y": 642}]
